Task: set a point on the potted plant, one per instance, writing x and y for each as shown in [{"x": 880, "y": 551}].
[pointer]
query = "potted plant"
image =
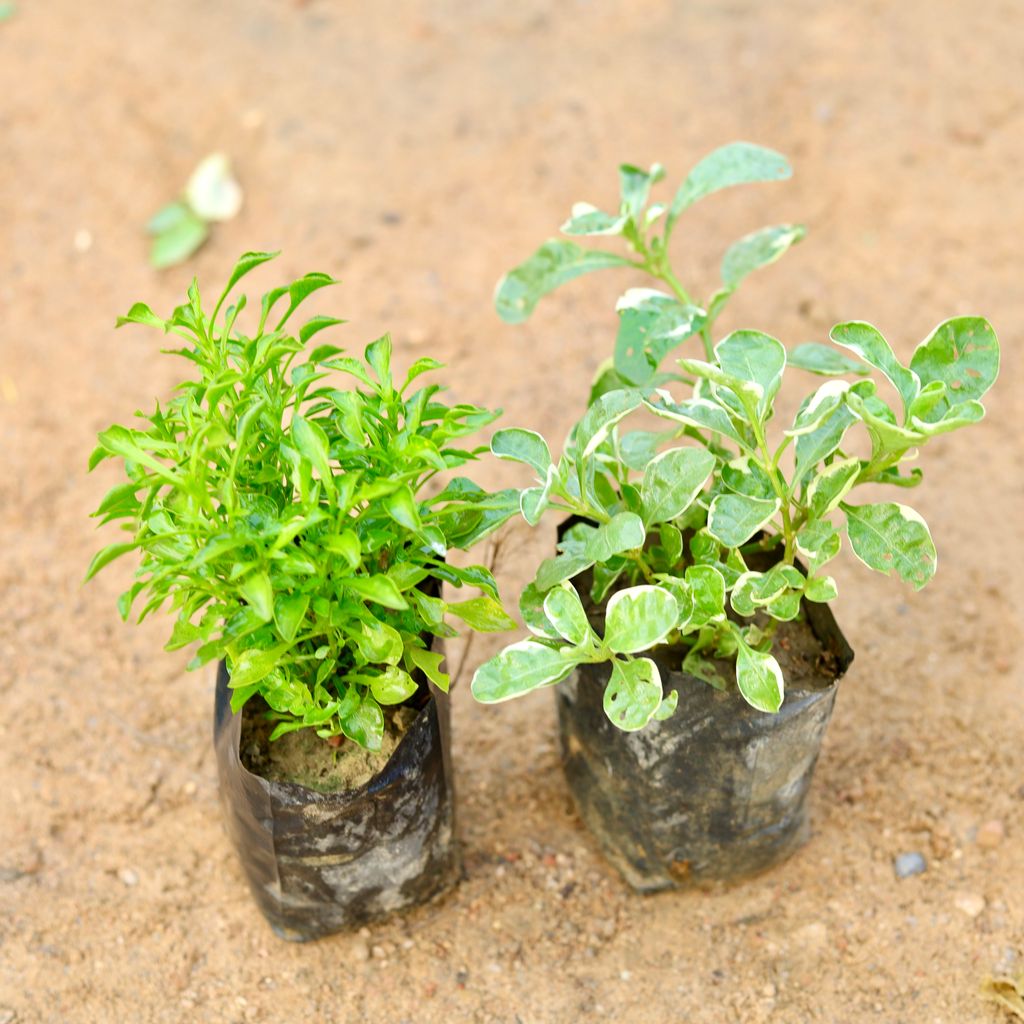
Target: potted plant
[
  {"x": 298, "y": 533},
  {"x": 686, "y": 608}
]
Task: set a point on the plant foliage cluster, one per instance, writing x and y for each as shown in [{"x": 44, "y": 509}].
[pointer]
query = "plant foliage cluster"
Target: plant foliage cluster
[
  {"x": 292, "y": 525},
  {"x": 667, "y": 519}
]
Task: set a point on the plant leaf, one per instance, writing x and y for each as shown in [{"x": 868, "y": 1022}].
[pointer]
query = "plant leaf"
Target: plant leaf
[
  {"x": 737, "y": 163},
  {"x": 553, "y": 264},
  {"x": 890, "y": 537},
  {"x": 639, "y": 618},
  {"x": 671, "y": 482},
  {"x": 175, "y": 243},
  {"x": 651, "y": 324},
  {"x": 379, "y": 589},
  {"x": 623, "y": 532},
  {"x": 758, "y": 678},
  {"x": 521, "y": 445},
  {"x": 429, "y": 663},
  {"x": 755, "y": 357},
  {"x": 734, "y": 518},
  {"x": 830, "y": 485},
  {"x": 518, "y": 669},
  {"x": 483, "y": 614},
  {"x": 963, "y": 354},
  {"x": 867, "y": 342},
  {"x": 757, "y": 250},
  {"x": 635, "y": 186},
  {"x": 633, "y": 694},
  {"x": 589, "y": 220},
  {"x": 392, "y": 685},
  {"x": 564, "y": 611},
  {"x": 824, "y": 360}
]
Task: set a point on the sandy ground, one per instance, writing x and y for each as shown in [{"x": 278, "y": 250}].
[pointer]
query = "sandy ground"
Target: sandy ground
[{"x": 418, "y": 151}]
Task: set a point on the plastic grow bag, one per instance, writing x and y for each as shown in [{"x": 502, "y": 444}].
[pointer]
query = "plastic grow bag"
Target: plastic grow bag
[{"x": 319, "y": 863}]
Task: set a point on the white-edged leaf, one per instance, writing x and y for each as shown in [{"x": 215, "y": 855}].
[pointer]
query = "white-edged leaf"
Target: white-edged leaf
[
  {"x": 553, "y": 264},
  {"x": 526, "y": 446},
  {"x": 890, "y": 537},
  {"x": 758, "y": 249},
  {"x": 633, "y": 694},
  {"x": 564, "y": 611},
  {"x": 758, "y": 678},
  {"x": 824, "y": 360},
  {"x": 867, "y": 342},
  {"x": 672, "y": 480},
  {"x": 518, "y": 669},
  {"x": 639, "y": 618},
  {"x": 734, "y": 518}
]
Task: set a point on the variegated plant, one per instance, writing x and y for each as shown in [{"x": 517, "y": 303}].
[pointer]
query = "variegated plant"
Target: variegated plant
[{"x": 668, "y": 519}]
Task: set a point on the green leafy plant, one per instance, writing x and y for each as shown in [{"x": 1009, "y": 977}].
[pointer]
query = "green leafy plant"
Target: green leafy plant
[
  {"x": 668, "y": 521},
  {"x": 292, "y": 526}
]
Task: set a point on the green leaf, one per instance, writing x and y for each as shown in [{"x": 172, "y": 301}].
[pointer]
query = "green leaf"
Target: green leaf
[
  {"x": 599, "y": 419},
  {"x": 140, "y": 313},
  {"x": 392, "y": 686},
  {"x": 707, "y": 589},
  {"x": 698, "y": 412},
  {"x": 757, "y": 250},
  {"x": 247, "y": 262},
  {"x": 821, "y": 589},
  {"x": 525, "y": 446},
  {"x": 671, "y": 482},
  {"x": 562, "y": 567},
  {"x": 818, "y": 542},
  {"x": 105, "y": 556},
  {"x": 651, "y": 324},
  {"x": 589, "y": 220},
  {"x": 633, "y": 694},
  {"x": 311, "y": 441},
  {"x": 258, "y": 592},
  {"x": 830, "y": 485},
  {"x": 379, "y": 589},
  {"x": 429, "y": 663},
  {"x": 178, "y": 239},
  {"x": 891, "y": 537},
  {"x": 667, "y": 707},
  {"x": 531, "y": 606},
  {"x": 623, "y": 532},
  {"x": 553, "y": 264},
  {"x": 365, "y": 725},
  {"x": 737, "y": 163},
  {"x": 379, "y": 643},
  {"x": 253, "y": 664},
  {"x": 963, "y": 354},
  {"x": 378, "y": 355},
  {"x": 755, "y": 357},
  {"x": 483, "y": 614},
  {"x": 639, "y": 618},
  {"x": 518, "y": 669},
  {"x": 346, "y": 545},
  {"x": 821, "y": 442},
  {"x": 734, "y": 518},
  {"x": 819, "y": 407},
  {"x": 758, "y": 678},
  {"x": 867, "y": 342},
  {"x": 635, "y": 186},
  {"x": 564, "y": 611},
  {"x": 824, "y": 360},
  {"x": 289, "y": 611},
  {"x": 401, "y": 506},
  {"x": 314, "y": 326}
]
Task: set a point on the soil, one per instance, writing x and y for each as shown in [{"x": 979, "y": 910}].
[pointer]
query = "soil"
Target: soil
[
  {"x": 417, "y": 151},
  {"x": 305, "y": 758}
]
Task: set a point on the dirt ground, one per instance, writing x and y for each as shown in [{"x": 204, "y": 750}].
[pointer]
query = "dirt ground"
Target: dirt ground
[{"x": 417, "y": 151}]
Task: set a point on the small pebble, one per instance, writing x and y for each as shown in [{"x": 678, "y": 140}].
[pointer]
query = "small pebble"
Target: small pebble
[
  {"x": 990, "y": 835},
  {"x": 189, "y": 789},
  {"x": 907, "y": 864},
  {"x": 82, "y": 240},
  {"x": 970, "y": 903},
  {"x": 128, "y": 877},
  {"x": 7, "y": 1016},
  {"x": 361, "y": 952}
]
